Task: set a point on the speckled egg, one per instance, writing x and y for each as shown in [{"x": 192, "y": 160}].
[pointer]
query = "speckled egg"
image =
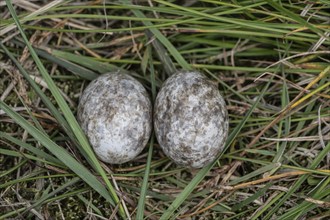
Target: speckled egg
[
  {"x": 190, "y": 119},
  {"x": 115, "y": 113}
]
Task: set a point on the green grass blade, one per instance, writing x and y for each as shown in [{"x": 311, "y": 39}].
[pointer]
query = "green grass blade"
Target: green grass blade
[
  {"x": 12, "y": 169},
  {"x": 284, "y": 123},
  {"x": 252, "y": 198},
  {"x": 257, "y": 172},
  {"x": 36, "y": 175},
  {"x": 163, "y": 55},
  {"x": 12, "y": 213},
  {"x": 144, "y": 187},
  {"x": 22, "y": 155},
  {"x": 267, "y": 206},
  {"x": 152, "y": 77},
  {"x": 74, "y": 68},
  {"x": 36, "y": 151},
  {"x": 87, "y": 62}
]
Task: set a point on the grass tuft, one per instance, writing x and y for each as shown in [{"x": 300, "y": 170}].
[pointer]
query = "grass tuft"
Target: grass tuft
[{"x": 270, "y": 60}]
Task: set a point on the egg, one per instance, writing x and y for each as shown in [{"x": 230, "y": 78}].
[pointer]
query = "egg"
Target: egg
[
  {"x": 190, "y": 119},
  {"x": 115, "y": 113}
]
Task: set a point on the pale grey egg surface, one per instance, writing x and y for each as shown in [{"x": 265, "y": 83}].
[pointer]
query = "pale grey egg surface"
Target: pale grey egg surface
[
  {"x": 190, "y": 119},
  {"x": 115, "y": 113}
]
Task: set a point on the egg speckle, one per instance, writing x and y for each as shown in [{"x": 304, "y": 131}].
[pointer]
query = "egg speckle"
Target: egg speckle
[
  {"x": 190, "y": 119},
  {"x": 115, "y": 113}
]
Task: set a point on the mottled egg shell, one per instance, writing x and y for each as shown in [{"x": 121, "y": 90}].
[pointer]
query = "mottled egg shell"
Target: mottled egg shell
[
  {"x": 116, "y": 115},
  {"x": 190, "y": 119}
]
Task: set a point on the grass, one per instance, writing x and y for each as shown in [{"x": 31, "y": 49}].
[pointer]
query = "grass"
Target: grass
[{"x": 269, "y": 58}]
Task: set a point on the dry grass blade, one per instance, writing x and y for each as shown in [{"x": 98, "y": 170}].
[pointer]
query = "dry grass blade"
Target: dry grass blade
[{"x": 270, "y": 178}]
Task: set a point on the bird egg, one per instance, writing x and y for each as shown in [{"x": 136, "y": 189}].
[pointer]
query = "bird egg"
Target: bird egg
[
  {"x": 115, "y": 113},
  {"x": 190, "y": 119}
]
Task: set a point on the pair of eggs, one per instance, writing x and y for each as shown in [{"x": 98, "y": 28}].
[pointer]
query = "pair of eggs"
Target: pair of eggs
[{"x": 190, "y": 118}]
